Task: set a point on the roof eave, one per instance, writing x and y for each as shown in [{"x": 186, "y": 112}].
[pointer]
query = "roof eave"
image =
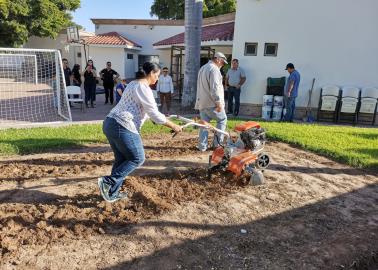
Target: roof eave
[
  {"x": 203, "y": 43},
  {"x": 115, "y": 46}
]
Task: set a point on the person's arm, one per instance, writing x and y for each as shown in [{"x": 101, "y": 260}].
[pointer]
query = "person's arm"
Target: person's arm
[
  {"x": 148, "y": 102},
  {"x": 119, "y": 91},
  {"x": 242, "y": 78},
  {"x": 116, "y": 75},
  {"x": 158, "y": 85},
  {"x": 226, "y": 81},
  {"x": 290, "y": 88},
  {"x": 242, "y": 81},
  {"x": 216, "y": 87},
  {"x": 171, "y": 84}
]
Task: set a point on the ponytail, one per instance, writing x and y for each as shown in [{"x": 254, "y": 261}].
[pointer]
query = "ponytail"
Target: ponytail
[{"x": 146, "y": 69}]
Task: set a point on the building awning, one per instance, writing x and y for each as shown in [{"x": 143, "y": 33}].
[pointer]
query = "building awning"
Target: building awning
[
  {"x": 111, "y": 39},
  {"x": 221, "y": 33}
]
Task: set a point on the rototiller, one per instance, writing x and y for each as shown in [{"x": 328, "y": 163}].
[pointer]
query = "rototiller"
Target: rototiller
[{"x": 243, "y": 157}]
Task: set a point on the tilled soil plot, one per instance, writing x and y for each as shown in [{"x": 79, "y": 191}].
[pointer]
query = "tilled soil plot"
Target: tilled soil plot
[{"x": 312, "y": 213}]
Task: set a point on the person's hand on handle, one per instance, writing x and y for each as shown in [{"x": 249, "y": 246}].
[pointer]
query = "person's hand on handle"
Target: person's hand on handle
[
  {"x": 218, "y": 107},
  {"x": 175, "y": 128}
]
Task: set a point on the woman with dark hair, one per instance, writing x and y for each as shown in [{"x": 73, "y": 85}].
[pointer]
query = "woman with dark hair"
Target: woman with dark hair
[
  {"x": 122, "y": 129},
  {"x": 90, "y": 83},
  {"x": 76, "y": 75}
]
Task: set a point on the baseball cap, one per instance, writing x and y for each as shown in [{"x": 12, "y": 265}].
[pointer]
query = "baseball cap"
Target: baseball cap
[
  {"x": 290, "y": 65},
  {"x": 222, "y": 56}
]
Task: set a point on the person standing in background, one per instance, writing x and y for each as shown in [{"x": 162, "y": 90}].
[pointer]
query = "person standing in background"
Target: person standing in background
[
  {"x": 120, "y": 88},
  {"x": 76, "y": 75},
  {"x": 67, "y": 72},
  {"x": 67, "y": 75},
  {"x": 235, "y": 78},
  {"x": 108, "y": 75},
  {"x": 90, "y": 77},
  {"x": 291, "y": 92},
  {"x": 165, "y": 90}
]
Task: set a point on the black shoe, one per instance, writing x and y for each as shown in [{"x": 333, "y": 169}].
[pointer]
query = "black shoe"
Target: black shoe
[
  {"x": 86, "y": 105},
  {"x": 106, "y": 102},
  {"x": 92, "y": 105},
  {"x": 236, "y": 113}
]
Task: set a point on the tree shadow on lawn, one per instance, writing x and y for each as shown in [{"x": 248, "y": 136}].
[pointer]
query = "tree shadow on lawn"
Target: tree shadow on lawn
[
  {"x": 370, "y": 152},
  {"x": 369, "y": 136},
  {"x": 315, "y": 236}
]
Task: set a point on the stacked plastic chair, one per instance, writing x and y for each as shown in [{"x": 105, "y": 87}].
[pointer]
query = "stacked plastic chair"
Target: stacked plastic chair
[
  {"x": 349, "y": 105},
  {"x": 368, "y": 105},
  {"x": 329, "y": 103}
]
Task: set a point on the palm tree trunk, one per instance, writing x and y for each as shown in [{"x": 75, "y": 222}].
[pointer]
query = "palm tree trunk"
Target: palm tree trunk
[{"x": 193, "y": 31}]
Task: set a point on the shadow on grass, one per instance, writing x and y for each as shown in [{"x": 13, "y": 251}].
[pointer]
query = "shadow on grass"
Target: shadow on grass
[
  {"x": 31, "y": 146},
  {"x": 369, "y": 136}
]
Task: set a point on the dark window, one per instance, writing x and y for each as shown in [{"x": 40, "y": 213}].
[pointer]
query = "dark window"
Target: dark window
[
  {"x": 250, "y": 49},
  {"x": 130, "y": 56},
  {"x": 147, "y": 58},
  {"x": 79, "y": 54},
  {"x": 271, "y": 49}
]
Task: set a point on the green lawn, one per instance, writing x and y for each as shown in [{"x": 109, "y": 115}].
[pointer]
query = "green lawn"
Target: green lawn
[{"x": 357, "y": 147}]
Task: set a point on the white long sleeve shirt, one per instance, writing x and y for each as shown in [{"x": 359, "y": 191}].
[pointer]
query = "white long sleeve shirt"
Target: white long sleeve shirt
[
  {"x": 136, "y": 106},
  {"x": 165, "y": 84}
]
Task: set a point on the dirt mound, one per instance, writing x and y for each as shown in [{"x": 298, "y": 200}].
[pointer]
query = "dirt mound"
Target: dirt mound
[
  {"x": 56, "y": 217},
  {"x": 89, "y": 160},
  {"x": 66, "y": 165},
  {"x": 51, "y": 209},
  {"x": 175, "y": 147}
]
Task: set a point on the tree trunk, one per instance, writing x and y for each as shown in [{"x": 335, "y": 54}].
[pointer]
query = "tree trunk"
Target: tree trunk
[{"x": 193, "y": 31}]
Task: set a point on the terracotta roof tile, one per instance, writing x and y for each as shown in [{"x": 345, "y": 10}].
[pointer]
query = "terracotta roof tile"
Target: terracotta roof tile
[
  {"x": 111, "y": 38},
  {"x": 222, "y": 32}
]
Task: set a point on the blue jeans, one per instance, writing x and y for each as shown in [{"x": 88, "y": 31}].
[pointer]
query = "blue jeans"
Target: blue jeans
[
  {"x": 128, "y": 153},
  {"x": 207, "y": 115},
  {"x": 290, "y": 108},
  {"x": 233, "y": 92}
]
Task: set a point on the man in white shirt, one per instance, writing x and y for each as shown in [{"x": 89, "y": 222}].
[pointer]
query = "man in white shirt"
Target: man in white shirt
[
  {"x": 210, "y": 98},
  {"x": 165, "y": 90}
]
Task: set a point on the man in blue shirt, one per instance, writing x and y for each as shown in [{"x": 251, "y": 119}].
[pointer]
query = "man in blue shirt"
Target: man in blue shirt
[{"x": 291, "y": 92}]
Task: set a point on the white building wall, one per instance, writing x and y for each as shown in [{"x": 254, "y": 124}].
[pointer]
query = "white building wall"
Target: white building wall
[
  {"x": 144, "y": 36},
  {"x": 335, "y": 42},
  {"x": 101, "y": 55}
]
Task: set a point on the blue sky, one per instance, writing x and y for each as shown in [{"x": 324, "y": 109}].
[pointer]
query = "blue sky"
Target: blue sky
[{"x": 115, "y": 9}]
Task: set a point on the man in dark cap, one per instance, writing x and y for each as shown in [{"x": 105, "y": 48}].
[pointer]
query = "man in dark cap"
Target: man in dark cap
[{"x": 291, "y": 92}]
